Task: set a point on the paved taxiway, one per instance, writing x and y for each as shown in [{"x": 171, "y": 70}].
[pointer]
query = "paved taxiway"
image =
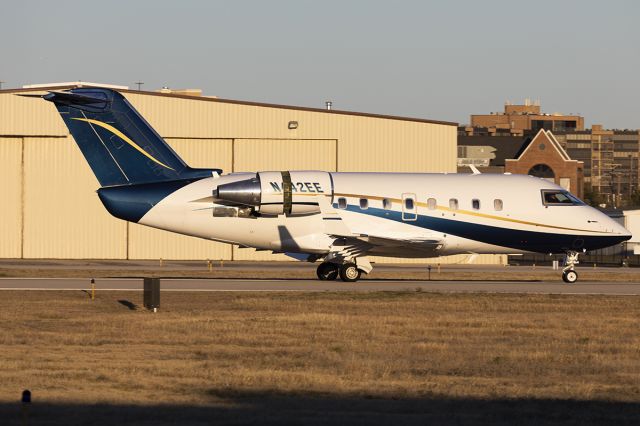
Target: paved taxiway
[{"x": 543, "y": 287}]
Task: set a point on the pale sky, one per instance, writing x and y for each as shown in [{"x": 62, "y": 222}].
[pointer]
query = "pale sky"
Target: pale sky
[{"x": 440, "y": 60}]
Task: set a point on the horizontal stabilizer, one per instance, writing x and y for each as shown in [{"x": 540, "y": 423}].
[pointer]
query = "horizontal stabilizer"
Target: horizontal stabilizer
[{"x": 97, "y": 99}]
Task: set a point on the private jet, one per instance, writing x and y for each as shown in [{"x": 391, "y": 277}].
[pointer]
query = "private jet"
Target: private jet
[{"x": 339, "y": 219}]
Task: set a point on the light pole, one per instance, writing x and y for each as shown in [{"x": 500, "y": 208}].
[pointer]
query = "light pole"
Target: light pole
[
  {"x": 630, "y": 175},
  {"x": 139, "y": 83}
]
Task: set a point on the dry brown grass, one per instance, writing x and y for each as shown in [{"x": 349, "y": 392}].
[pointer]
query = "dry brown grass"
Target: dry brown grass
[{"x": 225, "y": 349}]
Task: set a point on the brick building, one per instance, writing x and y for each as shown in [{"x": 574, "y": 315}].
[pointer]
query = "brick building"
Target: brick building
[
  {"x": 517, "y": 119},
  {"x": 539, "y": 155},
  {"x": 611, "y": 168},
  {"x": 544, "y": 157}
]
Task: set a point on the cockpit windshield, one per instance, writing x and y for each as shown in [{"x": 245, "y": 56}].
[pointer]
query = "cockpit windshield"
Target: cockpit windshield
[{"x": 554, "y": 197}]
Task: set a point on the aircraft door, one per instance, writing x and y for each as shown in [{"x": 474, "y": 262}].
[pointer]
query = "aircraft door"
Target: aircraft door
[{"x": 409, "y": 207}]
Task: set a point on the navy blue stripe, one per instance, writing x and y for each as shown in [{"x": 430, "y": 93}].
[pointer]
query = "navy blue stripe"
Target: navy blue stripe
[
  {"x": 541, "y": 242},
  {"x": 131, "y": 202}
]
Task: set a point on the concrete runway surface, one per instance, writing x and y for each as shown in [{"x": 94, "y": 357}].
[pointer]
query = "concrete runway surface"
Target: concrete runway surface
[{"x": 167, "y": 284}]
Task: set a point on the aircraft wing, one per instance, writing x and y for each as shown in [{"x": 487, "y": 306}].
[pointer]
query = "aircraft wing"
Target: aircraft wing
[
  {"x": 349, "y": 244},
  {"x": 403, "y": 241},
  {"x": 426, "y": 244}
]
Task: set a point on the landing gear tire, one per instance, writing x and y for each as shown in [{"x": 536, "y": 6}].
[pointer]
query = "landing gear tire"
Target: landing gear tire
[
  {"x": 569, "y": 274},
  {"x": 570, "y": 277},
  {"x": 349, "y": 273},
  {"x": 327, "y": 271}
]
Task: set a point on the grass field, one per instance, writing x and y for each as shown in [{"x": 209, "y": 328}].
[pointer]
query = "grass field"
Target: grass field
[{"x": 320, "y": 358}]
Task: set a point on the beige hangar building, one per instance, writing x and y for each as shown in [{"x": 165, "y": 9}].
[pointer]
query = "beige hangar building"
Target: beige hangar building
[{"x": 50, "y": 209}]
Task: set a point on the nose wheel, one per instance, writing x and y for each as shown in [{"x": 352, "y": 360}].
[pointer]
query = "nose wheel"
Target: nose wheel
[{"x": 569, "y": 275}]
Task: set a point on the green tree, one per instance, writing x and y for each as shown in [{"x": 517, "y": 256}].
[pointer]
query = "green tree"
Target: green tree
[
  {"x": 634, "y": 200},
  {"x": 592, "y": 196}
]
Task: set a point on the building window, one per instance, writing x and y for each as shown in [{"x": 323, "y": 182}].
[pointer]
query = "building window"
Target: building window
[
  {"x": 497, "y": 205},
  {"x": 387, "y": 204},
  {"x": 542, "y": 171},
  {"x": 432, "y": 203},
  {"x": 453, "y": 204},
  {"x": 364, "y": 203},
  {"x": 475, "y": 204},
  {"x": 342, "y": 203}
]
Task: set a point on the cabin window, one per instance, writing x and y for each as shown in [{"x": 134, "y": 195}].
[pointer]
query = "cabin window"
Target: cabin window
[
  {"x": 475, "y": 204},
  {"x": 552, "y": 197},
  {"x": 497, "y": 205},
  {"x": 364, "y": 203},
  {"x": 342, "y": 203},
  {"x": 409, "y": 211},
  {"x": 387, "y": 204},
  {"x": 408, "y": 203},
  {"x": 453, "y": 204},
  {"x": 432, "y": 203}
]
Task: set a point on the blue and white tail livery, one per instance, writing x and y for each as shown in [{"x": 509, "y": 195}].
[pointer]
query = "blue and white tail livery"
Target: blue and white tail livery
[{"x": 340, "y": 218}]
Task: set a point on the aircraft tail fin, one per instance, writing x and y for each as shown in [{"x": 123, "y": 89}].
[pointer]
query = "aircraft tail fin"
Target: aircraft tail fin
[{"x": 117, "y": 142}]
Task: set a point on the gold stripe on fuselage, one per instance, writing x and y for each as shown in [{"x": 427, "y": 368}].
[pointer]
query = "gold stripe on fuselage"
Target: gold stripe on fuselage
[{"x": 470, "y": 213}]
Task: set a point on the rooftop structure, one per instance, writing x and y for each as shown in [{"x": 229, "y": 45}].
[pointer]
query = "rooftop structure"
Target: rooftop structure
[
  {"x": 518, "y": 118},
  {"x": 74, "y": 84}
]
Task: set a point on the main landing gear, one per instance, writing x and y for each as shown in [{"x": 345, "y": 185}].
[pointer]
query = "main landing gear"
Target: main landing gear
[
  {"x": 348, "y": 272},
  {"x": 569, "y": 275},
  {"x": 328, "y": 271}
]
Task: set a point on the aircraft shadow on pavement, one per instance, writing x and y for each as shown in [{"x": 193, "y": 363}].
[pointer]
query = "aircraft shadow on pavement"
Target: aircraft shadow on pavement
[
  {"x": 132, "y": 306},
  {"x": 272, "y": 408}
]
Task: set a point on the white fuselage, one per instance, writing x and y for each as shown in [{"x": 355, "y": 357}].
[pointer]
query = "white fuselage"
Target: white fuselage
[{"x": 509, "y": 216}]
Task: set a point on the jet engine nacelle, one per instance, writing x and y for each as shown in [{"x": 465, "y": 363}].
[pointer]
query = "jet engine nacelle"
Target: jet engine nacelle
[{"x": 274, "y": 193}]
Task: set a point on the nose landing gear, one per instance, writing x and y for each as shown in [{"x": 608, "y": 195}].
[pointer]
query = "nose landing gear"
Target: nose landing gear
[{"x": 569, "y": 275}]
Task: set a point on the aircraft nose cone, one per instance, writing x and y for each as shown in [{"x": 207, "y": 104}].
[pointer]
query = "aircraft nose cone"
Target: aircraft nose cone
[{"x": 621, "y": 233}]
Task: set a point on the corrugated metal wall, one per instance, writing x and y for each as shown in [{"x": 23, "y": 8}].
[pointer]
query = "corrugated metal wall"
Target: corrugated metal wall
[
  {"x": 281, "y": 154},
  {"x": 52, "y": 210},
  {"x": 364, "y": 143},
  {"x": 11, "y": 195},
  {"x": 63, "y": 217},
  {"x": 29, "y": 117}
]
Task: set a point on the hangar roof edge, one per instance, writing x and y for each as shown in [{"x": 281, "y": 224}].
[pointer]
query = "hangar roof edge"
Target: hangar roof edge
[{"x": 247, "y": 103}]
